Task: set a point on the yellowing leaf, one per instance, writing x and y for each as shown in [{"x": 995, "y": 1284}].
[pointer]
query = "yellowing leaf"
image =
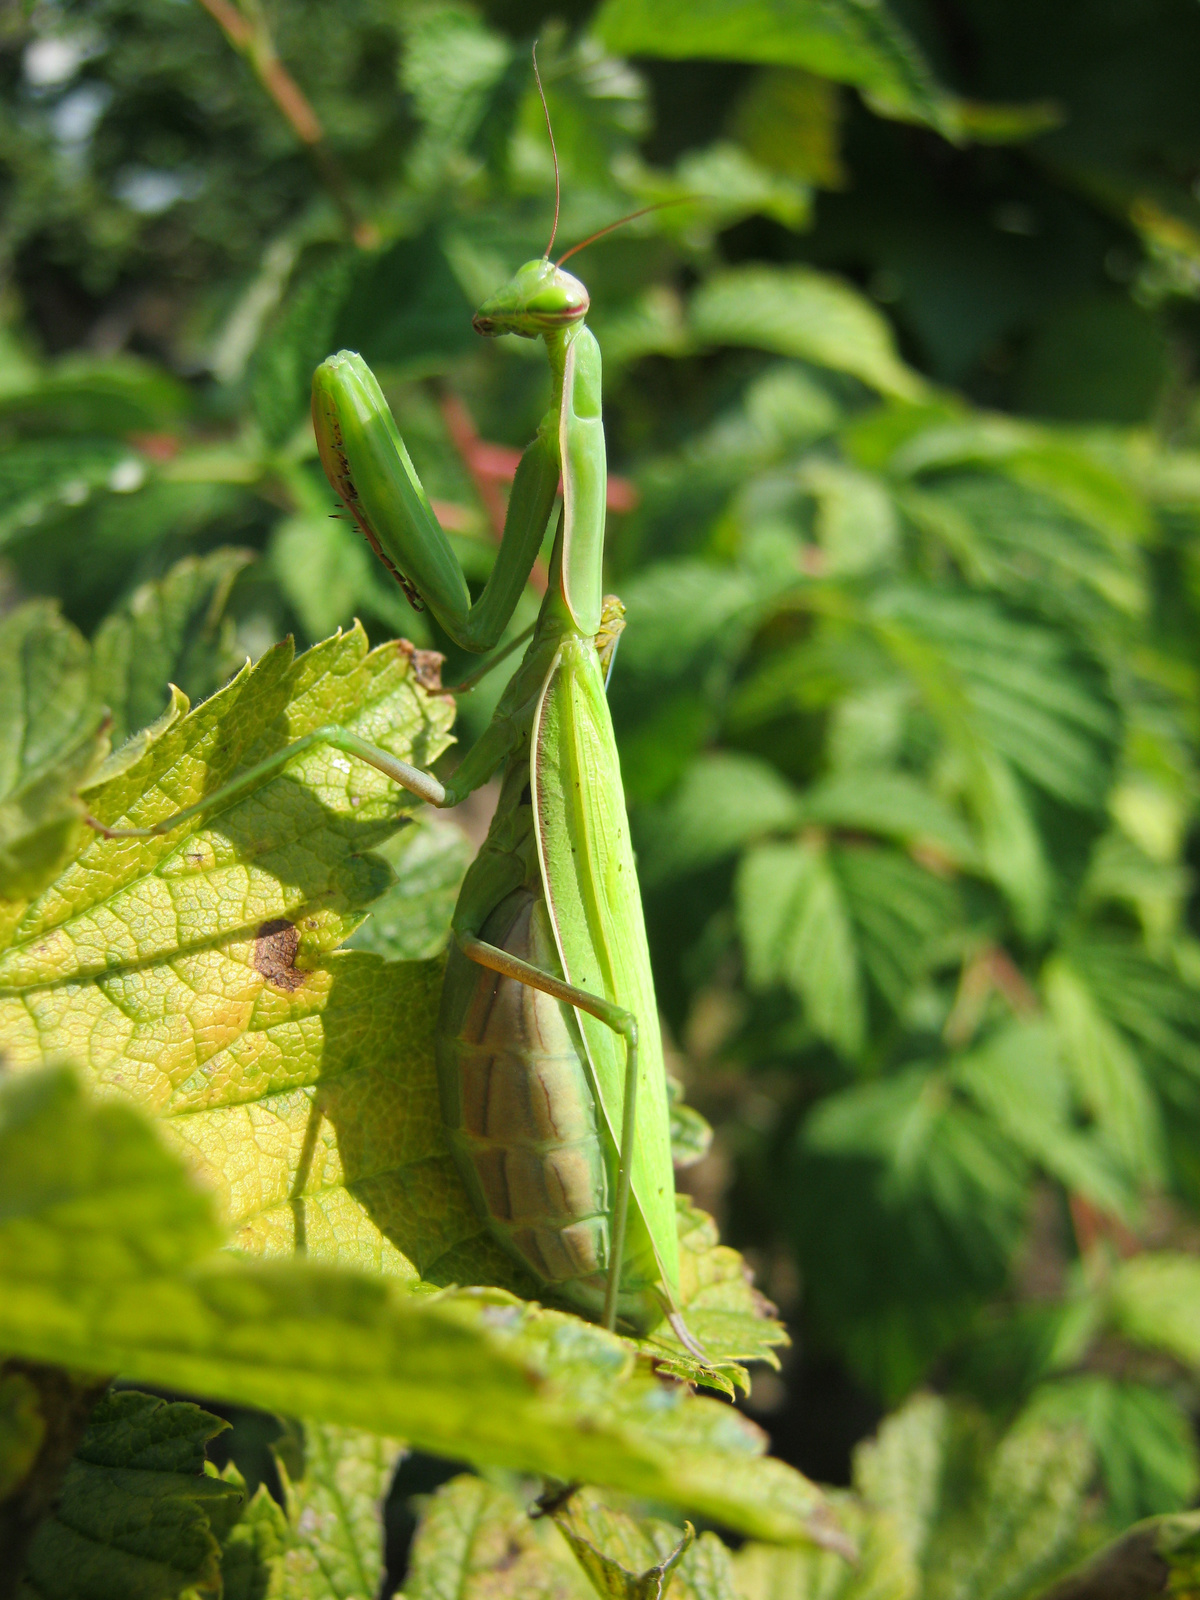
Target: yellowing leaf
[
  {"x": 628, "y": 1560},
  {"x": 476, "y": 1542},
  {"x": 334, "y": 1548},
  {"x": 194, "y": 974},
  {"x": 189, "y": 973},
  {"x": 106, "y": 1258}
]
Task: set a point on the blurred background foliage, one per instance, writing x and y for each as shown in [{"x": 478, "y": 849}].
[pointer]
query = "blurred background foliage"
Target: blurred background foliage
[{"x": 901, "y": 401}]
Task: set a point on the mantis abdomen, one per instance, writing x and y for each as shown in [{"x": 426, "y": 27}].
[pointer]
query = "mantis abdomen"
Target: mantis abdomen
[
  {"x": 517, "y": 1105},
  {"x": 521, "y": 1117}
]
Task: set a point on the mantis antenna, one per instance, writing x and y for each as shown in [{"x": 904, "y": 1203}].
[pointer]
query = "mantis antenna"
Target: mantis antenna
[
  {"x": 659, "y": 205},
  {"x": 553, "y": 151}
]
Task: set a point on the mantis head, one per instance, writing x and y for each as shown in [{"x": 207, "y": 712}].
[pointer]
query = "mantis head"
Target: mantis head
[{"x": 538, "y": 298}]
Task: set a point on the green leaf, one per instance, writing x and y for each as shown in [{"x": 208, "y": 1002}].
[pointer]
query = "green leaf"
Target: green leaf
[
  {"x": 789, "y": 119},
  {"x": 252, "y": 1553},
  {"x": 173, "y": 630},
  {"x": 628, "y": 1559},
  {"x": 334, "y": 1547},
  {"x": 1021, "y": 705},
  {"x": 893, "y": 805},
  {"x": 733, "y": 186},
  {"x": 905, "y": 917},
  {"x": 1030, "y": 693},
  {"x": 725, "y": 1313},
  {"x": 476, "y": 1542},
  {"x": 899, "y": 1471},
  {"x": 725, "y": 801},
  {"x": 297, "y": 341},
  {"x": 1015, "y": 539},
  {"x": 1143, "y": 1440},
  {"x": 405, "y": 306},
  {"x": 796, "y": 930},
  {"x": 980, "y": 1517},
  {"x": 328, "y": 574},
  {"x": 411, "y": 920},
  {"x": 796, "y": 311},
  {"x": 619, "y": 1557},
  {"x": 1156, "y": 1301},
  {"x": 1159, "y": 1556},
  {"x": 43, "y": 478},
  {"x": 195, "y": 974},
  {"x": 52, "y": 738},
  {"x": 451, "y": 64},
  {"x": 1108, "y": 1076},
  {"x": 906, "y": 1207},
  {"x": 105, "y": 1254},
  {"x": 219, "y": 1005},
  {"x": 1028, "y": 1521},
  {"x": 1019, "y": 1076},
  {"x": 851, "y": 41},
  {"x": 691, "y": 1134},
  {"x": 884, "y": 1569},
  {"x": 856, "y": 525},
  {"x": 84, "y": 394},
  {"x": 138, "y": 1515},
  {"x": 1154, "y": 1005}
]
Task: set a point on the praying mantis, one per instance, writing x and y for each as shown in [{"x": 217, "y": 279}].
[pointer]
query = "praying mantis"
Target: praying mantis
[{"x": 549, "y": 1055}]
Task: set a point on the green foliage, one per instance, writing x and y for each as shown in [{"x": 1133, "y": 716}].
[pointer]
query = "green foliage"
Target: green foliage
[
  {"x": 106, "y": 1253},
  {"x": 335, "y": 1532},
  {"x": 138, "y": 1514}
]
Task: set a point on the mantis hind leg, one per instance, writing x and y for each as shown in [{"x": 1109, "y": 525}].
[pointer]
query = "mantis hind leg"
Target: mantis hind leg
[{"x": 620, "y": 1021}]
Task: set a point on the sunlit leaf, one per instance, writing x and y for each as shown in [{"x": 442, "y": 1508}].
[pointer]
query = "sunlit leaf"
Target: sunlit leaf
[
  {"x": 334, "y": 1546},
  {"x": 794, "y": 311},
  {"x": 725, "y": 801},
  {"x": 640, "y": 1559},
  {"x": 848, "y": 40},
  {"x": 1108, "y": 1076},
  {"x": 1156, "y": 1300},
  {"x": 105, "y": 1254},
  {"x": 476, "y": 1542},
  {"x": 1020, "y": 1076},
  {"x": 977, "y": 1515}
]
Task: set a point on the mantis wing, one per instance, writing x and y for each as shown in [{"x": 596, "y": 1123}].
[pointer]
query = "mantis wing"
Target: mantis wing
[{"x": 595, "y": 906}]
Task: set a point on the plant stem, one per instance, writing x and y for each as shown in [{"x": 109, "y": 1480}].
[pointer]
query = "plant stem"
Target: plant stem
[{"x": 252, "y": 39}]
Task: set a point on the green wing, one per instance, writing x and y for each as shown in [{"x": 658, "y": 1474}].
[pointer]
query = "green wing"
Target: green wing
[{"x": 596, "y": 911}]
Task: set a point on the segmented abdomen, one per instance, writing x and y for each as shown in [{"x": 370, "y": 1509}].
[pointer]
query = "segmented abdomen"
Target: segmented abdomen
[{"x": 519, "y": 1109}]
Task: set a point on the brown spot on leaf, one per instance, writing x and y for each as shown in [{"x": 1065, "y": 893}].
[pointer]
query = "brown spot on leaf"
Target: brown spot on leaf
[
  {"x": 275, "y": 953},
  {"x": 512, "y": 1554},
  {"x": 426, "y": 665}
]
